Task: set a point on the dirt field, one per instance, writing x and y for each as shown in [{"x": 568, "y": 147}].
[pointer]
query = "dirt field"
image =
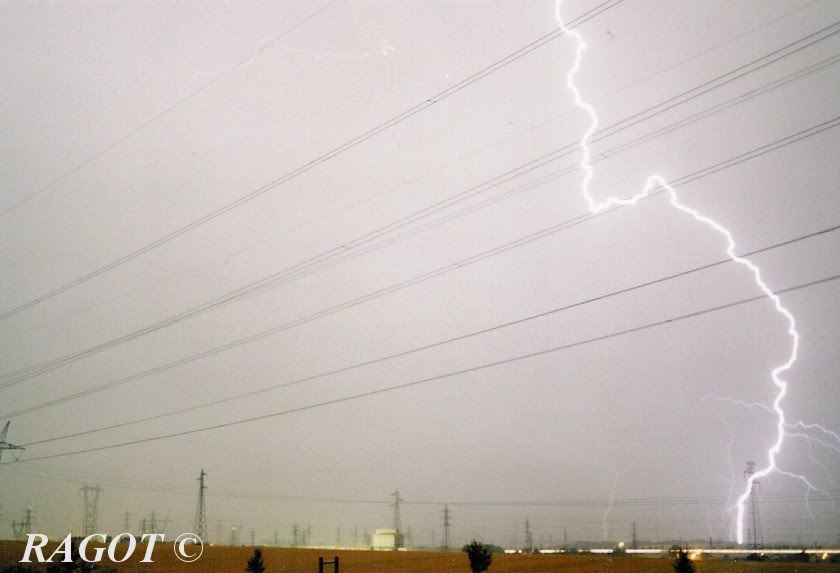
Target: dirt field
[{"x": 222, "y": 559}]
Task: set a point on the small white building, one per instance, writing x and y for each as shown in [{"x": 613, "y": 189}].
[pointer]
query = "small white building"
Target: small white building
[{"x": 384, "y": 540}]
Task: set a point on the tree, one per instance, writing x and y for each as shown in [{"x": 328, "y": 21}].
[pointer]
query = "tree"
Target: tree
[
  {"x": 682, "y": 564},
  {"x": 255, "y": 563},
  {"x": 480, "y": 556}
]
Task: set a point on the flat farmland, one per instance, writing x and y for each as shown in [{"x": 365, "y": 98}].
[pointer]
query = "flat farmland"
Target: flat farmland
[{"x": 224, "y": 559}]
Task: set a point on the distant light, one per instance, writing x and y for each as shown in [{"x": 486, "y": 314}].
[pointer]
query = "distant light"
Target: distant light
[{"x": 621, "y": 545}]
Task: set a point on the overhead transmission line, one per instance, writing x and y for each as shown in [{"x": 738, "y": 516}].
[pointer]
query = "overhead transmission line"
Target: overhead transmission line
[
  {"x": 676, "y": 183},
  {"x": 347, "y": 145},
  {"x": 423, "y": 381},
  {"x": 430, "y": 346},
  {"x": 103, "y": 151},
  {"x": 379, "y": 237},
  {"x": 120, "y": 483}
]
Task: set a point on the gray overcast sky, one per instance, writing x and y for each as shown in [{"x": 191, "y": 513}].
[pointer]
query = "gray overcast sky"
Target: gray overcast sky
[{"x": 204, "y": 158}]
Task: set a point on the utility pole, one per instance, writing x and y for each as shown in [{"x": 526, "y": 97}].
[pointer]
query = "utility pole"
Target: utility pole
[
  {"x": 253, "y": 537},
  {"x": 565, "y": 539},
  {"x": 219, "y": 539},
  {"x": 6, "y": 446},
  {"x": 446, "y": 524},
  {"x": 397, "y": 524},
  {"x": 126, "y": 524},
  {"x": 91, "y": 500},
  {"x": 635, "y": 544},
  {"x": 529, "y": 538},
  {"x": 200, "y": 524},
  {"x": 755, "y": 537},
  {"x": 234, "y": 536}
]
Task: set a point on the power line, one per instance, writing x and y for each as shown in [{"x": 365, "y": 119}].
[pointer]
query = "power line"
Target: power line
[
  {"x": 778, "y": 497},
  {"x": 439, "y": 377},
  {"x": 762, "y": 150},
  {"x": 166, "y": 111},
  {"x": 475, "y": 77},
  {"x": 473, "y": 334},
  {"x": 368, "y": 242}
]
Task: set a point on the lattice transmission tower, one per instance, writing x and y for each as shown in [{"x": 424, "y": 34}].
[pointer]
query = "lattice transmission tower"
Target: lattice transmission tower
[
  {"x": 529, "y": 537},
  {"x": 446, "y": 524},
  {"x": 755, "y": 536},
  {"x": 20, "y": 529},
  {"x": 91, "y": 500},
  {"x": 200, "y": 524},
  {"x": 6, "y": 446},
  {"x": 397, "y": 523}
]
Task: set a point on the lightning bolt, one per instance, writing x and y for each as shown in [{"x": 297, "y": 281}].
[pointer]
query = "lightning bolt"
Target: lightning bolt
[
  {"x": 656, "y": 184},
  {"x": 610, "y": 506},
  {"x": 827, "y": 439}
]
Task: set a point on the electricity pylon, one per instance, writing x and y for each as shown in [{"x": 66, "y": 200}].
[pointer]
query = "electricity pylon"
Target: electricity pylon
[
  {"x": 200, "y": 525},
  {"x": 755, "y": 537},
  {"x": 446, "y": 523},
  {"x": 91, "y": 500},
  {"x": 20, "y": 529},
  {"x": 397, "y": 524},
  {"x": 4, "y": 445},
  {"x": 529, "y": 538}
]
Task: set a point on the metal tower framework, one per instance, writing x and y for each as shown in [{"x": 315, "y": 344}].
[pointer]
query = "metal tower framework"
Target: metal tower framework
[
  {"x": 446, "y": 524},
  {"x": 397, "y": 523},
  {"x": 6, "y": 446},
  {"x": 91, "y": 501},
  {"x": 20, "y": 529},
  {"x": 755, "y": 536},
  {"x": 529, "y": 537},
  {"x": 200, "y": 524}
]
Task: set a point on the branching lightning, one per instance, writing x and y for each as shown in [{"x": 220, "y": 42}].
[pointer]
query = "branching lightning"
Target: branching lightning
[{"x": 657, "y": 184}]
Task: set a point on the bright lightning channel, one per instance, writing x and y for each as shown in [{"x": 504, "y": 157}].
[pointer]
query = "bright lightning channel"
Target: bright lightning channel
[
  {"x": 610, "y": 506},
  {"x": 656, "y": 184}
]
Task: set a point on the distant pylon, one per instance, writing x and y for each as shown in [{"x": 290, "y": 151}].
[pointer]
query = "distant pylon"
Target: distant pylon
[
  {"x": 445, "y": 546},
  {"x": 20, "y": 529},
  {"x": 755, "y": 537},
  {"x": 529, "y": 538},
  {"x": 397, "y": 523},
  {"x": 200, "y": 524},
  {"x": 4, "y": 445},
  {"x": 91, "y": 500}
]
